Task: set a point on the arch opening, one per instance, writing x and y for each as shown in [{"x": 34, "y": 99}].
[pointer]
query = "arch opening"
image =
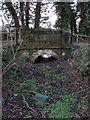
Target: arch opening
[{"x": 44, "y": 59}]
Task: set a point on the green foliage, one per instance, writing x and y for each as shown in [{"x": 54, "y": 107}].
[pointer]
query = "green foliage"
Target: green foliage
[
  {"x": 63, "y": 12},
  {"x": 8, "y": 57},
  {"x": 20, "y": 59},
  {"x": 6, "y": 54},
  {"x": 67, "y": 16},
  {"x": 59, "y": 77},
  {"x": 46, "y": 70},
  {"x": 82, "y": 57},
  {"x": 60, "y": 109},
  {"x": 58, "y": 67},
  {"x": 27, "y": 86},
  {"x": 85, "y": 18},
  {"x": 13, "y": 74},
  {"x": 27, "y": 117}
]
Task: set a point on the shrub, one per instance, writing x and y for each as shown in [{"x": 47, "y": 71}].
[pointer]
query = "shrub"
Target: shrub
[{"x": 82, "y": 58}]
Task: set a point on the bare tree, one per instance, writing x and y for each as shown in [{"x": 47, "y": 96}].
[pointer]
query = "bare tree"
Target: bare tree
[
  {"x": 14, "y": 16},
  {"x": 27, "y": 14},
  {"x": 37, "y": 15},
  {"x": 13, "y": 13},
  {"x": 22, "y": 12}
]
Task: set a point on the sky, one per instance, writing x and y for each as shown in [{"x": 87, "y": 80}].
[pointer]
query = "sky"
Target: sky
[{"x": 0, "y": 14}]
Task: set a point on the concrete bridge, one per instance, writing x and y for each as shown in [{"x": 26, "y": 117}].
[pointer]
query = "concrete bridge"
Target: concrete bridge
[
  {"x": 45, "y": 43},
  {"x": 38, "y": 43}
]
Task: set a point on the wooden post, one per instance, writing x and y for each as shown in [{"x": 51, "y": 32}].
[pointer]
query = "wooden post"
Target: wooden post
[
  {"x": 77, "y": 37},
  {"x": 7, "y": 37}
]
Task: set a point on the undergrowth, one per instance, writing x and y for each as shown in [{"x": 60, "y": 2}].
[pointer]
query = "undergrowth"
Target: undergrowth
[{"x": 82, "y": 57}]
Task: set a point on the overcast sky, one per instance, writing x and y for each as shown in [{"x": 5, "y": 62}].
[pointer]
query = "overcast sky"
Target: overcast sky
[
  {"x": 52, "y": 15},
  {"x": 0, "y": 14}
]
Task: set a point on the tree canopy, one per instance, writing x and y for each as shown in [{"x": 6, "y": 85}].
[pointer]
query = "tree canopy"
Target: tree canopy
[
  {"x": 30, "y": 13},
  {"x": 25, "y": 13},
  {"x": 68, "y": 13}
]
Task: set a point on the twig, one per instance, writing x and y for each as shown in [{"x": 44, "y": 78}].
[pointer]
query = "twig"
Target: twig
[
  {"x": 13, "y": 105},
  {"x": 78, "y": 116},
  {"x": 7, "y": 66},
  {"x": 31, "y": 108},
  {"x": 18, "y": 49},
  {"x": 43, "y": 114},
  {"x": 14, "y": 56},
  {"x": 28, "y": 105},
  {"x": 11, "y": 43},
  {"x": 81, "y": 91}
]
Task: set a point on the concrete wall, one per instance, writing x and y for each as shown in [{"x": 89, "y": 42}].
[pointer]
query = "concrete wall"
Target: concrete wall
[{"x": 46, "y": 43}]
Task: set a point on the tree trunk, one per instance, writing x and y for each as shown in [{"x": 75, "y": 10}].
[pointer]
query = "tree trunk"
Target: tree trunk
[
  {"x": 74, "y": 22},
  {"x": 62, "y": 14},
  {"x": 14, "y": 15},
  {"x": 22, "y": 12},
  {"x": 82, "y": 16},
  {"x": 27, "y": 14},
  {"x": 37, "y": 15},
  {"x": 71, "y": 25}
]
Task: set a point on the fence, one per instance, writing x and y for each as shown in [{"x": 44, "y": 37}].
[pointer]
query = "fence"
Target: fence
[
  {"x": 81, "y": 38},
  {"x": 8, "y": 37}
]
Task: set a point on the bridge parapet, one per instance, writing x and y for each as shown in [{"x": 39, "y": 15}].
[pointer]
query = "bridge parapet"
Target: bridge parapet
[
  {"x": 48, "y": 40},
  {"x": 52, "y": 41}
]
